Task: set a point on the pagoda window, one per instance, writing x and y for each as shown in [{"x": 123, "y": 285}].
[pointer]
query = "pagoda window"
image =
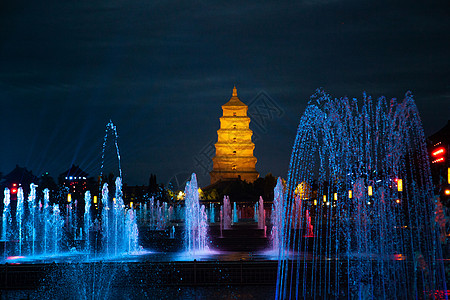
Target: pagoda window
[
  {"x": 234, "y": 126},
  {"x": 234, "y": 114},
  {"x": 233, "y": 168},
  {"x": 234, "y": 140},
  {"x": 234, "y": 152}
]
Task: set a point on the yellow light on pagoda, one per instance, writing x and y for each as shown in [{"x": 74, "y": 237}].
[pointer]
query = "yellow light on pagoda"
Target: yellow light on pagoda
[
  {"x": 370, "y": 190},
  {"x": 398, "y": 200},
  {"x": 69, "y": 198},
  {"x": 95, "y": 199},
  {"x": 335, "y": 196},
  {"x": 400, "y": 185},
  {"x": 131, "y": 204},
  {"x": 114, "y": 200},
  {"x": 350, "y": 194},
  {"x": 448, "y": 175},
  {"x": 315, "y": 201},
  {"x": 324, "y": 198},
  {"x": 447, "y": 192}
]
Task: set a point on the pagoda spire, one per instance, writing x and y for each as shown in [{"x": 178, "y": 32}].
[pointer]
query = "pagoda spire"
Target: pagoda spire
[{"x": 234, "y": 91}]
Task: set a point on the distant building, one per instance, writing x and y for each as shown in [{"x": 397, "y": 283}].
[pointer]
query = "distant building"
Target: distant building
[
  {"x": 19, "y": 177},
  {"x": 75, "y": 180},
  {"x": 439, "y": 152},
  {"x": 234, "y": 148}
]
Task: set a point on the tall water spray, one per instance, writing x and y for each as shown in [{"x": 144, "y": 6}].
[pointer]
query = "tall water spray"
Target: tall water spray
[
  {"x": 6, "y": 217},
  {"x": 46, "y": 211},
  {"x": 106, "y": 234},
  {"x": 277, "y": 216},
  {"x": 226, "y": 214},
  {"x": 20, "y": 210},
  {"x": 32, "y": 217},
  {"x": 87, "y": 221},
  {"x": 196, "y": 227},
  {"x": 370, "y": 204}
]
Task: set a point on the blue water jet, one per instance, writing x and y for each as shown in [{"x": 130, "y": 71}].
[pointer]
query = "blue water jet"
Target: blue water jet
[{"x": 363, "y": 176}]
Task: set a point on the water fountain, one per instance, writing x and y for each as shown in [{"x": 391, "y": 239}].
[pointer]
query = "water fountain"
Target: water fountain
[
  {"x": 277, "y": 217},
  {"x": 6, "y": 217},
  {"x": 261, "y": 214},
  {"x": 195, "y": 220},
  {"x": 226, "y": 214},
  {"x": 376, "y": 238}
]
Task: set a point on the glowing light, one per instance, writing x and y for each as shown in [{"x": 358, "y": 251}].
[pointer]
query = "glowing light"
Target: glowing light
[
  {"x": 438, "y": 151},
  {"x": 328, "y": 203},
  {"x": 438, "y": 160},
  {"x": 95, "y": 199},
  {"x": 114, "y": 200},
  {"x": 350, "y": 194},
  {"x": 398, "y": 200},
  {"x": 14, "y": 191},
  {"x": 180, "y": 195},
  {"x": 447, "y": 192},
  {"x": 131, "y": 205},
  {"x": 69, "y": 198},
  {"x": 400, "y": 185},
  {"x": 303, "y": 190},
  {"x": 448, "y": 175},
  {"x": 315, "y": 201},
  {"x": 15, "y": 257},
  {"x": 14, "y": 184},
  {"x": 324, "y": 198},
  {"x": 335, "y": 196},
  {"x": 370, "y": 190}
]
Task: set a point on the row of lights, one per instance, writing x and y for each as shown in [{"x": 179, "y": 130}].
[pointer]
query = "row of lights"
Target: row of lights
[{"x": 370, "y": 192}]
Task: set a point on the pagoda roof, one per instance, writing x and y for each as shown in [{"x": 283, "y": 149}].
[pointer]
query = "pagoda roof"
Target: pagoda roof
[
  {"x": 74, "y": 171},
  {"x": 234, "y": 101},
  {"x": 21, "y": 176}
]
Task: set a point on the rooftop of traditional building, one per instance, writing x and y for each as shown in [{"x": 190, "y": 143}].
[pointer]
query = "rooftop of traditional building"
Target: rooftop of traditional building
[{"x": 234, "y": 101}]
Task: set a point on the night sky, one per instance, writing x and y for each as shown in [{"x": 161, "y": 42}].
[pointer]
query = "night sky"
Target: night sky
[{"x": 162, "y": 69}]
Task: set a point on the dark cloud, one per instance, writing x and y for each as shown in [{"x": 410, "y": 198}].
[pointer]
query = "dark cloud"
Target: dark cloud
[{"x": 162, "y": 69}]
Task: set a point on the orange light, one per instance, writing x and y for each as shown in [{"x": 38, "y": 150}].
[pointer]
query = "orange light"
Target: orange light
[
  {"x": 438, "y": 151},
  {"x": 350, "y": 194},
  {"x": 398, "y": 200},
  {"x": 448, "y": 175},
  {"x": 447, "y": 192},
  {"x": 14, "y": 184},
  {"x": 69, "y": 198}
]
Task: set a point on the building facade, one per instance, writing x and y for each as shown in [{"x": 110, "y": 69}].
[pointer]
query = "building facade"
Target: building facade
[{"x": 234, "y": 157}]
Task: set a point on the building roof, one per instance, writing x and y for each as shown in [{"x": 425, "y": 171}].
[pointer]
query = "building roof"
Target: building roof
[
  {"x": 21, "y": 176},
  {"x": 443, "y": 135},
  {"x": 74, "y": 171},
  {"x": 234, "y": 101}
]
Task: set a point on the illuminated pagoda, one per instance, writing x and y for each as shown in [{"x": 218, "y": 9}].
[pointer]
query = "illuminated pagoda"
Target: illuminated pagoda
[{"x": 234, "y": 148}]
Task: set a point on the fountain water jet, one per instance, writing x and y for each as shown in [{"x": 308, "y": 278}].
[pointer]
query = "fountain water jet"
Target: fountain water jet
[
  {"x": 196, "y": 219},
  {"x": 355, "y": 154}
]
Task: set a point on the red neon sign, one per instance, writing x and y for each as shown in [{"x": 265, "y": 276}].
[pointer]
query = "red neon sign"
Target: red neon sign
[{"x": 438, "y": 151}]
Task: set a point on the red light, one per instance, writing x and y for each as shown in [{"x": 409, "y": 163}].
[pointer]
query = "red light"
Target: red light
[
  {"x": 14, "y": 191},
  {"x": 438, "y": 151},
  {"x": 438, "y": 160}
]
